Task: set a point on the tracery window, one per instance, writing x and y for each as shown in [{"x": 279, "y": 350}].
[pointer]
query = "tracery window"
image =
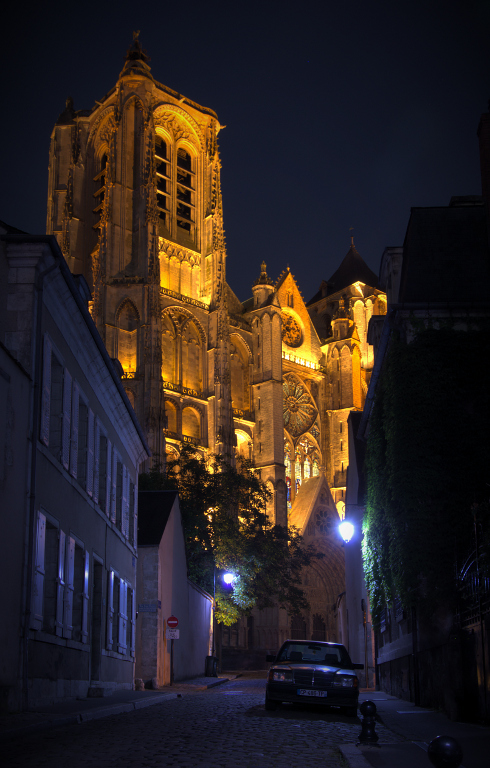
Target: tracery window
[
  {"x": 185, "y": 191},
  {"x": 175, "y": 188},
  {"x": 100, "y": 190},
  {"x": 163, "y": 179},
  {"x": 287, "y": 462}
]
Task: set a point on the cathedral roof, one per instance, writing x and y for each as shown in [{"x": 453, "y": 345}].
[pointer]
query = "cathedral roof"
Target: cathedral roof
[{"x": 353, "y": 269}]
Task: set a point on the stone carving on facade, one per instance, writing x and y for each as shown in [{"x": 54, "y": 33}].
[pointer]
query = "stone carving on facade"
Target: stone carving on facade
[
  {"x": 292, "y": 334},
  {"x": 171, "y": 250},
  {"x": 298, "y": 407},
  {"x": 178, "y": 123}
]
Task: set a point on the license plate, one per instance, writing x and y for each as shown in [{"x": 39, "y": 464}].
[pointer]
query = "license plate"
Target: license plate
[{"x": 306, "y": 692}]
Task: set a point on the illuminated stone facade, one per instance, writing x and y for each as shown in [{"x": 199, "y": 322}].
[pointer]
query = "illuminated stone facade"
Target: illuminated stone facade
[{"x": 135, "y": 203}]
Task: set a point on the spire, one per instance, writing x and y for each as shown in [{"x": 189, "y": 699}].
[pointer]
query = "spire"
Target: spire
[
  {"x": 264, "y": 278},
  {"x": 136, "y": 59},
  {"x": 135, "y": 52}
]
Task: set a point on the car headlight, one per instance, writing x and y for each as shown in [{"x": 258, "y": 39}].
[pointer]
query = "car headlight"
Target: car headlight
[
  {"x": 280, "y": 675},
  {"x": 346, "y": 681}
]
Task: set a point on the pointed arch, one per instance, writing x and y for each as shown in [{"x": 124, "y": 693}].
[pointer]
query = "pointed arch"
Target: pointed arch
[
  {"x": 127, "y": 324},
  {"x": 240, "y": 359}
]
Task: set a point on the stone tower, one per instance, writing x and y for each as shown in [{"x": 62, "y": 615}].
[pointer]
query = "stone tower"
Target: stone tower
[{"x": 135, "y": 203}]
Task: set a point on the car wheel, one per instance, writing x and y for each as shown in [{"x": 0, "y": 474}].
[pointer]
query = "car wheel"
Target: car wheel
[
  {"x": 270, "y": 705},
  {"x": 350, "y": 711}
]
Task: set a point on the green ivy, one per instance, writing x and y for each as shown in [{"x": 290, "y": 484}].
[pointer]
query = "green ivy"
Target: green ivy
[{"x": 427, "y": 464}]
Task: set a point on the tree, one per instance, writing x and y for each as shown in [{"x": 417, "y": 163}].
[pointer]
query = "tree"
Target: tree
[{"x": 226, "y": 528}]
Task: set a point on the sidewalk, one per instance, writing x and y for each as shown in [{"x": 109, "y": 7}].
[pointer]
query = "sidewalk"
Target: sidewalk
[
  {"x": 418, "y": 727},
  {"x": 82, "y": 710}
]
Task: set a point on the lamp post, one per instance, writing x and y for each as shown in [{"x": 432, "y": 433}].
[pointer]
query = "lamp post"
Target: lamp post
[{"x": 347, "y": 530}]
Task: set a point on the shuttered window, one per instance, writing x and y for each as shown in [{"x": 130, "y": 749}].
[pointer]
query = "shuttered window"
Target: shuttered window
[
  {"x": 39, "y": 573},
  {"x": 60, "y": 584},
  {"x": 85, "y": 597},
  {"x": 110, "y": 609},
  {"x": 123, "y": 617},
  {"x": 69, "y": 588},
  {"x": 66, "y": 427},
  {"x": 74, "y": 430}
]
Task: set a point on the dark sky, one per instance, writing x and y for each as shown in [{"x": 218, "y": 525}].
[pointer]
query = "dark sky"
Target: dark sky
[{"x": 337, "y": 115}]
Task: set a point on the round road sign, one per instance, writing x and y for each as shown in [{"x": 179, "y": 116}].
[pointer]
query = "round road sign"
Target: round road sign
[{"x": 172, "y": 622}]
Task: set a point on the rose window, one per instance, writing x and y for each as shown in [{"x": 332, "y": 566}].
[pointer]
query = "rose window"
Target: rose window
[
  {"x": 324, "y": 521},
  {"x": 298, "y": 407}
]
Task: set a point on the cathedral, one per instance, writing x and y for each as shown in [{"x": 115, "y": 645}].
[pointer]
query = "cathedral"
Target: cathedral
[{"x": 135, "y": 203}]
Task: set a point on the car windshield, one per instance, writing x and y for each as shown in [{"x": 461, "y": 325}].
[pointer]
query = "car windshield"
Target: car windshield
[{"x": 315, "y": 653}]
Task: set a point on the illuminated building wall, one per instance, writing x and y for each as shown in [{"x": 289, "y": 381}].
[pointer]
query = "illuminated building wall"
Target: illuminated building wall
[{"x": 135, "y": 203}]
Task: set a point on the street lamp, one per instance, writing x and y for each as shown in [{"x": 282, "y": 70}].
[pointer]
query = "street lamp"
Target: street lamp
[
  {"x": 229, "y": 578},
  {"x": 346, "y": 530}
]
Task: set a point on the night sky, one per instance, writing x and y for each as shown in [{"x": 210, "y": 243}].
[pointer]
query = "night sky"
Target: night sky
[{"x": 337, "y": 115}]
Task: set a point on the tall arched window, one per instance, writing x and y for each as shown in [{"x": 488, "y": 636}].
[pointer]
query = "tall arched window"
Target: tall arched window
[
  {"x": 171, "y": 414},
  {"x": 163, "y": 180},
  {"x": 127, "y": 337},
  {"x": 287, "y": 462},
  {"x": 185, "y": 208},
  {"x": 191, "y": 423},
  {"x": 100, "y": 190},
  {"x": 297, "y": 471}
]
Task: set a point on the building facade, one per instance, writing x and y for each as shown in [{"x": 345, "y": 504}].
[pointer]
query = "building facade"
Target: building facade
[
  {"x": 72, "y": 450},
  {"x": 135, "y": 204}
]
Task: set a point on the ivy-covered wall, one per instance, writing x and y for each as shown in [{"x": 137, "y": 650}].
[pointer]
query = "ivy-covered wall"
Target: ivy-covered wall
[{"x": 427, "y": 466}]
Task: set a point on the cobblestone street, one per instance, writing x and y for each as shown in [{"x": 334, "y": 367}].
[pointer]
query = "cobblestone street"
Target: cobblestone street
[{"x": 225, "y": 726}]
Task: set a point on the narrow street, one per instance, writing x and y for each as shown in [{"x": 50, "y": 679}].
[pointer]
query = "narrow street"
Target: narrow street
[{"x": 224, "y": 726}]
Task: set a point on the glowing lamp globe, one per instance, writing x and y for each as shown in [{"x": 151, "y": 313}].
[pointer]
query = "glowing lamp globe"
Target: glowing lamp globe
[
  {"x": 346, "y": 530},
  {"x": 228, "y": 578}
]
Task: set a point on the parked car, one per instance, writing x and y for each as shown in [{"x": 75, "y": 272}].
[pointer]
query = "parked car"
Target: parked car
[{"x": 306, "y": 671}]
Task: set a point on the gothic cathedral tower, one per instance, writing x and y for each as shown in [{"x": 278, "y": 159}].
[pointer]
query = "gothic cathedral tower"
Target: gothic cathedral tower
[{"x": 135, "y": 204}]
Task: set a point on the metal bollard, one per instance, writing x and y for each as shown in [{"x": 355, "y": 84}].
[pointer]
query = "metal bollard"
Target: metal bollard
[
  {"x": 445, "y": 752},
  {"x": 368, "y": 735}
]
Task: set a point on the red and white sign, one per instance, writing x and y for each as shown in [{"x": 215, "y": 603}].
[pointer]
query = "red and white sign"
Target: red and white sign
[{"x": 172, "y": 622}]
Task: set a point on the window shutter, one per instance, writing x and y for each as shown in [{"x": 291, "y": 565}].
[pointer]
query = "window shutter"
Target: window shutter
[
  {"x": 125, "y": 504},
  {"x": 95, "y": 494},
  {"x": 65, "y": 435},
  {"x": 85, "y": 598},
  {"x": 90, "y": 453},
  {"x": 46, "y": 392},
  {"x": 74, "y": 430},
  {"x": 110, "y": 607},
  {"x": 69, "y": 587},
  {"x": 132, "y": 533},
  {"x": 38, "y": 576},
  {"x": 108, "y": 479},
  {"x": 114, "y": 485},
  {"x": 60, "y": 584},
  {"x": 133, "y": 624},
  {"x": 123, "y": 617}
]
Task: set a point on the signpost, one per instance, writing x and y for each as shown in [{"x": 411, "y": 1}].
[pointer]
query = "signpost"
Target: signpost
[{"x": 172, "y": 634}]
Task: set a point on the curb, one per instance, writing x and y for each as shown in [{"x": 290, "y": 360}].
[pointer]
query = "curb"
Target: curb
[
  {"x": 86, "y": 715},
  {"x": 354, "y": 758}
]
